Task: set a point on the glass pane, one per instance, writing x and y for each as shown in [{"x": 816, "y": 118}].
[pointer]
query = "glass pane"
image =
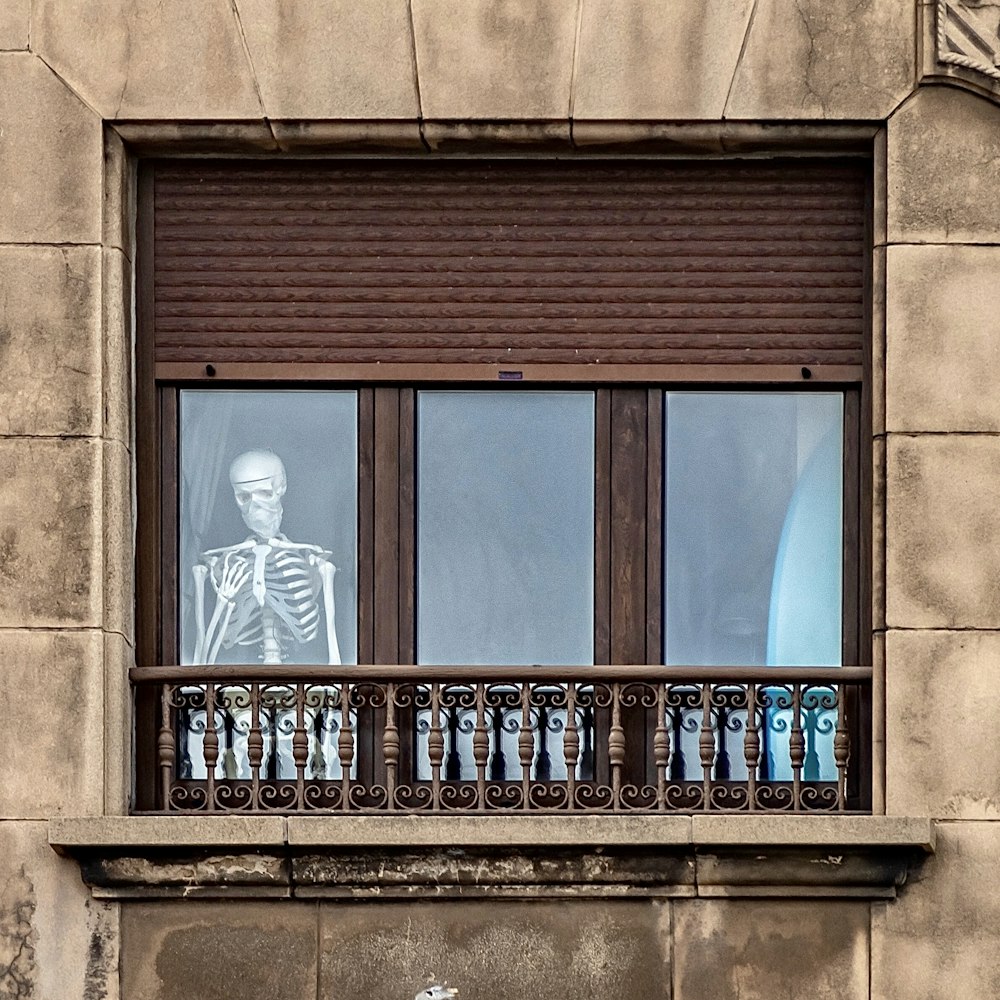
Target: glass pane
[
  {"x": 505, "y": 527},
  {"x": 268, "y": 519},
  {"x": 753, "y": 528}
]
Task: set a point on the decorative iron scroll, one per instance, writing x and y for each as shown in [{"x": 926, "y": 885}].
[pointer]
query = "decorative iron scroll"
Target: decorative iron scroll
[
  {"x": 968, "y": 35},
  {"x": 504, "y": 739}
]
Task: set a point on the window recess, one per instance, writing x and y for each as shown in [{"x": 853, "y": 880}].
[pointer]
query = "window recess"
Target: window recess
[{"x": 523, "y": 486}]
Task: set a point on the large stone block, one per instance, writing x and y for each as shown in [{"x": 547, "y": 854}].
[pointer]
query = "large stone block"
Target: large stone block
[
  {"x": 779, "y": 948},
  {"x": 116, "y": 288},
  {"x": 50, "y": 157},
  {"x": 15, "y": 22},
  {"x": 944, "y": 169},
  {"x": 55, "y": 942},
  {"x": 133, "y": 59},
  {"x": 878, "y": 533},
  {"x": 218, "y": 951},
  {"x": 939, "y": 938},
  {"x": 51, "y": 696},
  {"x": 825, "y": 59},
  {"x": 118, "y": 532},
  {"x": 50, "y": 531},
  {"x": 119, "y": 195},
  {"x": 50, "y": 340},
  {"x": 559, "y": 950},
  {"x": 942, "y": 716},
  {"x": 119, "y": 656},
  {"x": 942, "y": 531},
  {"x": 332, "y": 58},
  {"x": 650, "y": 59},
  {"x": 943, "y": 338},
  {"x": 495, "y": 58}
]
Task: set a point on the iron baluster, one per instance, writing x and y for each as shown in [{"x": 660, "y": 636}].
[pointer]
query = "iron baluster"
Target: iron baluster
[
  {"x": 571, "y": 745},
  {"x": 616, "y": 746},
  {"x": 390, "y": 746},
  {"x": 435, "y": 746},
  {"x": 255, "y": 744},
  {"x": 480, "y": 747},
  {"x": 661, "y": 747},
  {"x": 751, "y": 747},
  {"x": 841, "y": 749},
  {"x": 797, "y": 747},
  {"x": 345, "y": 746},
  {"x": 706, "y": 744}
]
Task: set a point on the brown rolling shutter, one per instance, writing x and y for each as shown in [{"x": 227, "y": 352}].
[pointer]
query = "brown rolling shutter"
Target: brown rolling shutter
[{"x": 510, "y": 262}]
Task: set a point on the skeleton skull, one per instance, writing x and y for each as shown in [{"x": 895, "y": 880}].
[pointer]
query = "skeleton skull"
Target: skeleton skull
[{"x": 258, "y": 481}]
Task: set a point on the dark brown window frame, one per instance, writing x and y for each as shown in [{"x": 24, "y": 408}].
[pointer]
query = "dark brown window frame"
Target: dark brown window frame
[{"x": 628, "y": 542}]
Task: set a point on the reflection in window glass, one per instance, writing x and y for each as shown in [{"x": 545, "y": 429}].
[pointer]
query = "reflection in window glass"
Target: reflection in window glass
[
  {"x": 268, "y": 516},
  {"x": 505, "y": 527},
  {"x": 753, "y": 528}
]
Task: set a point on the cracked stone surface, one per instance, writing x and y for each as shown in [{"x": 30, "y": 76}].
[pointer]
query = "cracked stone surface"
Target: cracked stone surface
[
  {"x": 17, "y": 935},
  {"x": 55, "y": 942},
  {"x": 944, "y": 166},
  {"x": 133, "y": 59},
  {"x": 51, "y": 150},
  {"x": 648, "y": 60},
  {"x": 332, "y": 58},
  {"x": 942, "y": 531},
  {"x": 825, "y": 59},
  {"x": 495, "y": 58},
  {"x": 50, "y": 340}
]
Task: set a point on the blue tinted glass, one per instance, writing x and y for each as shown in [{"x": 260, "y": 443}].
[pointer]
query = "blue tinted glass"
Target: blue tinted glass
[{"x": 753, "y": 528}]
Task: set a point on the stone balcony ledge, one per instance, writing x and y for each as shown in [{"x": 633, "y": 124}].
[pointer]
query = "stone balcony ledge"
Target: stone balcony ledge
[{"x": 385, "y": 857}]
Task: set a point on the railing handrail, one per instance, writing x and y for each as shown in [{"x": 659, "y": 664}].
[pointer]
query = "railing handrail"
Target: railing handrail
[{"x": 401, "y": 674}]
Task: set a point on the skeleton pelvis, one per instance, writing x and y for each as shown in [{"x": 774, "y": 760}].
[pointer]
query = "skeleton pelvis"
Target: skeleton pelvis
[{"x": 292, "y": 589}]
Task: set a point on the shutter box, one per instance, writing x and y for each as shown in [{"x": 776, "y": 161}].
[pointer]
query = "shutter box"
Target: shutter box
[{"x": 584, "y": 269}]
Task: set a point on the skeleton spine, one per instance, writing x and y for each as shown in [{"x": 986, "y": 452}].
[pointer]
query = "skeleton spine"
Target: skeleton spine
[{"x": 270, "y": 645}]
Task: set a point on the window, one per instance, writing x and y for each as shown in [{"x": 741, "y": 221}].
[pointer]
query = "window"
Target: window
[{"x": 574, "y": 451}]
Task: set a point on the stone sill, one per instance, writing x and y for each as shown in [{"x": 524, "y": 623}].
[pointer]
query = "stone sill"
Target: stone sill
[
  {"x": 391, "y": 857},
  {"x": 386, "y": 857}
]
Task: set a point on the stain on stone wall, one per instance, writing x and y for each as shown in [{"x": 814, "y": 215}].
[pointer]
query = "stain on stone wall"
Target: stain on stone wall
[
  {"x": 102, "y": 954},
  {"x": 17, "y": 937}
]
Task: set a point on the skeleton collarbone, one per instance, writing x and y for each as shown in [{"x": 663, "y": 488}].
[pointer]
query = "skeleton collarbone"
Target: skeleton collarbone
[{"x": 284, "y": 579}]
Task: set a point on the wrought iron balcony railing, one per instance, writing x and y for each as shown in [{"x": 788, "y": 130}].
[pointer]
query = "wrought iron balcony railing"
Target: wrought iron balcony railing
[{"x": 376, "y": 739}]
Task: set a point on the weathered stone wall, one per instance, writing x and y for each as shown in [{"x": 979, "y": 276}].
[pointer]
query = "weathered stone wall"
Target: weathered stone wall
[
  {"x": 76, "y": 75},
  {"x": 943, "y": 538}
]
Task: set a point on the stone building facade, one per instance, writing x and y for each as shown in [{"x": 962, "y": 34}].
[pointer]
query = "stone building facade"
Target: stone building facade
[{"x": 98, "y": 903}]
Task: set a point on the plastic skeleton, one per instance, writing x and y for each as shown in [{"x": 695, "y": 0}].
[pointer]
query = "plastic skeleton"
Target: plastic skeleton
[{"x": 267, "y": 588}]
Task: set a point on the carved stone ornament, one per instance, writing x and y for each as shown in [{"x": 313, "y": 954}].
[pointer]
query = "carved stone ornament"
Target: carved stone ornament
[{"x": 968, "y": 35}]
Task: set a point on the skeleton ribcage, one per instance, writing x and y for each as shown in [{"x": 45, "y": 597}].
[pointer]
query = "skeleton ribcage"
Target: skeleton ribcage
[{"x": 292, "y": 590}]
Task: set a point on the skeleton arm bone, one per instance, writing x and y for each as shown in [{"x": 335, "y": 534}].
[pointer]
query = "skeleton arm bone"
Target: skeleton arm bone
[
  {"x": 234, "y": 576},
  {"x": 199, "y": 572},
  {"x": 326, "y": 574}
]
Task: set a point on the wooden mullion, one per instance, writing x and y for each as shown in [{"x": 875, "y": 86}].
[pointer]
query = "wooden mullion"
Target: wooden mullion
[
  {"x": 366, "y": 525},
  {"x": 602, "y": 527},
  {"x": 386, "y": 526},
  {"x": 629, "y": 421},
  {"x": 654, "y": 526},
  {"x": 169, "y": 527},
  {"x": 148, "y": 501},
  {"x": 407, "y": 582}
]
